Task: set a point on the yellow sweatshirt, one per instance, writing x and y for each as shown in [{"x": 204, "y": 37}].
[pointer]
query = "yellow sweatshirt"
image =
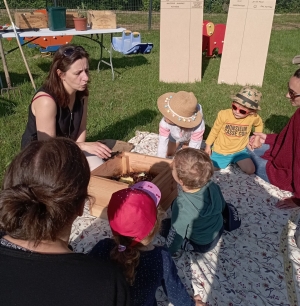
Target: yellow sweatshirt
[{"x": 230, "y": 135}]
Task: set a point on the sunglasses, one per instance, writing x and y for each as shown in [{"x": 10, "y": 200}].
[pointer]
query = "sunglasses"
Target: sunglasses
[
  {"x": 241, "y": 111},
  {"x": 69, "y": 51},
  {"x": 292, "y": 94}
]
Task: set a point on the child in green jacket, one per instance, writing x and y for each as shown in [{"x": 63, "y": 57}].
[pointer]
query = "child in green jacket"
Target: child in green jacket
[{"x": 197, "y": 221}]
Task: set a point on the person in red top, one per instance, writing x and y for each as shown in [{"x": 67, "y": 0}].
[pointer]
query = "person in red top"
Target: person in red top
[{"x": 278, "y": 160}]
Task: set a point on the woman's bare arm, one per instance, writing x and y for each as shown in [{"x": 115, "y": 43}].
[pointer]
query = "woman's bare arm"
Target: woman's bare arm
[
  {"x": 95, "y": 148},
  {"x": 44, "y": 109}
]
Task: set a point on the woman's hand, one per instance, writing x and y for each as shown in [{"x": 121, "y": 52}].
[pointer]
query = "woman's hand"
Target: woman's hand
[
  {"x": 286, "y": 203},
  {"x": 256, "y": 142},
  {"x": 262, "y": 138},
  {"x": 96, "y": 148}
]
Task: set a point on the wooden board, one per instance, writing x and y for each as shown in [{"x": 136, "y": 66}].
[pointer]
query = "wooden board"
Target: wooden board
[
  {"x": 246, "y": 43},
  {"x": 102, "y": 19},
  {"x": 27, "y": 20},
  {"x": 101, "y": 187},
  {"x": 181, "y": 41}
]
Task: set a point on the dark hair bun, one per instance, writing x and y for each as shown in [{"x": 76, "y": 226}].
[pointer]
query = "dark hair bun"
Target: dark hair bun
[{"x": 43, "y": 189}]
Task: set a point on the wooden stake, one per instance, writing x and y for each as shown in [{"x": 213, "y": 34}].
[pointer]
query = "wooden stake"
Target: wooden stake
[{"x": 19, "y": 44}]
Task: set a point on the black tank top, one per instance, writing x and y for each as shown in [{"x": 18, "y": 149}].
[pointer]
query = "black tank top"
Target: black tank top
[{"x": 67, "y": 122}]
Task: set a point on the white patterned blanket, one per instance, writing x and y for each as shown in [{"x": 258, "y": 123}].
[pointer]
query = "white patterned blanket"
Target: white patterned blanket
[{"x": 257, "y": 264}]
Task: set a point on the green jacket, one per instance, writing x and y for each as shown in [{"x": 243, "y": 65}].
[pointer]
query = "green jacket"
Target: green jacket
[{"x": 196, "y": 216}]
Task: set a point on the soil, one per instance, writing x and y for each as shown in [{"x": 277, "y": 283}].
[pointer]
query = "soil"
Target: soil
[{"x": 134, "y": 177}]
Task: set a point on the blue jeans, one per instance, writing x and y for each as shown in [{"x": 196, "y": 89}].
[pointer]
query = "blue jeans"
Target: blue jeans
[{"x": 259, "y": 162}]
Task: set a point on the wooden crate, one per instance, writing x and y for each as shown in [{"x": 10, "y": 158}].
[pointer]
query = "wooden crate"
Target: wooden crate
[
  {"x": 28, "y": 20},
  {"x": 25, "y": 20},
  {"x": 102, "y": 19},
  {"x": 101, "y": 187}
]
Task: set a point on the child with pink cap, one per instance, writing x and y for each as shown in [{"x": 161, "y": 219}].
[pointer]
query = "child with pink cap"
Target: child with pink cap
[{"x": 133, "y": 218}]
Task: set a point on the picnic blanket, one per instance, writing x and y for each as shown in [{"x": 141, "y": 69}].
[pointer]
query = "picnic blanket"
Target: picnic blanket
[{"x": 257, "y": 264}]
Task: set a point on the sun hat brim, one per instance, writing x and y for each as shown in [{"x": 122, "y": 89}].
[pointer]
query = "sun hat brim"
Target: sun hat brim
[{"x": 175, "y": 120}]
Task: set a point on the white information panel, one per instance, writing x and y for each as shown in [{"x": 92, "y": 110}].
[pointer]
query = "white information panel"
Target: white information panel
[
  {"x": 181, "y": 41},
  {"x": 246, "y": 43}
]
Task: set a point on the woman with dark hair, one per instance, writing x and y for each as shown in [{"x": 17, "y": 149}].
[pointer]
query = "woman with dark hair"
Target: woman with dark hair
[
  {"x": 277, "y": 161},
  {"x": 44, "y": 191},
  {"x": 59, "y": 107}
]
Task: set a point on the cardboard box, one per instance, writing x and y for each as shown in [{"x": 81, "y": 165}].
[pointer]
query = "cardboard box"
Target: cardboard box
[
  {"x": 101, "y": 186},
  {"x": 241, "y": 63},
  {"x": 28, "y": 20},
  {"x": 25, "y": 20},
  {"x": 102, "y": 19},
  {"x": 180, "y": 21}
]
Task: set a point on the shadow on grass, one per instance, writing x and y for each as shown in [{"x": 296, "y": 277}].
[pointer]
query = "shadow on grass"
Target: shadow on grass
[
  {"x": 206, "y": 60},
  {"x": 276, "y": 123},
  {"x": 127, "y": 61},
  {"x": 17, "y": 78},
  {"x": 44, "y": 66},
  {"x": 205, "y": 63},
  {"x": 123, "y": 128},
  {"x": 7, "y": 107}
]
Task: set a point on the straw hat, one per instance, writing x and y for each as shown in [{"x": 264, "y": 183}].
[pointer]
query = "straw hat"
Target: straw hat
[
  {"x": 248, "y": 97},
  {"x": 181, "y": 108}
]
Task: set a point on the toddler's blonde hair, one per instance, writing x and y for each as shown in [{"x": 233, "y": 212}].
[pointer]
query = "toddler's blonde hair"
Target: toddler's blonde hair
[{"x": 194, "y": 167}]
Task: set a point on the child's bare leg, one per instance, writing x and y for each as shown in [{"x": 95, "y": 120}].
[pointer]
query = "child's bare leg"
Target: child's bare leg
[
  {"x": 246, "y": 165},
  {"x": 172, "y": 146}
]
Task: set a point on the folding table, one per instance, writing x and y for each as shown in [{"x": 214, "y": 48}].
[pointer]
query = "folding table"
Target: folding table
[{"x": 46, "y": 33}]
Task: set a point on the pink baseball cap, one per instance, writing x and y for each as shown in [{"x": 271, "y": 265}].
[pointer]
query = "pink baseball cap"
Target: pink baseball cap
[{"x": 132, "y": 212}]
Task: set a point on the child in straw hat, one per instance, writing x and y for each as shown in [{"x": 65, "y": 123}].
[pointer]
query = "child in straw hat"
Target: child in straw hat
[
  {"x": 182, "y": 123},
  {"x": 230, "y": 132},
  {"x": 134, "y": 221}
]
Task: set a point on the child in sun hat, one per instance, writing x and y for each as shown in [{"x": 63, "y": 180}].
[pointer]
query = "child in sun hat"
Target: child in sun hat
[
  {"x": 182, "y": 122},
  {"x": 133, "y": 218},
  {"x": 196, "y": 221},
  {"x": 230, "y": 132}
]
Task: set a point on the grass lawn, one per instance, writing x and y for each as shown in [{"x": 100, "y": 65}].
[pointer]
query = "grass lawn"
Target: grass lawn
[{"x": 118, "y": 108}]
